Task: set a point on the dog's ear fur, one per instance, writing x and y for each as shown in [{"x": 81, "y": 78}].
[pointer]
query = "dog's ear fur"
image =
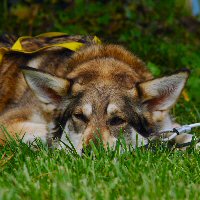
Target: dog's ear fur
[
  {"x": 162, "y": 93},
  {"x": 48, "y": 88}
]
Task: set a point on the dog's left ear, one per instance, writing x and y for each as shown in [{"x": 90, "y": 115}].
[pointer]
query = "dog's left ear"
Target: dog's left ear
[
  {"x": 48, "y": 88},
  {"x": 162, "y": 93}
]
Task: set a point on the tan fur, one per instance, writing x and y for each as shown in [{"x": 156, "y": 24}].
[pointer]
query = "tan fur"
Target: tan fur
[
  {"x": 12, "y": 84},
  {"x": 116, "y": 92}
]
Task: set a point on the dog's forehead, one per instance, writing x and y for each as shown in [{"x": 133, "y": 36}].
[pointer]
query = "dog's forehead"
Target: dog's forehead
[
  {"x": 107, "y": 94},
  {"x": 101, "y": 99}
]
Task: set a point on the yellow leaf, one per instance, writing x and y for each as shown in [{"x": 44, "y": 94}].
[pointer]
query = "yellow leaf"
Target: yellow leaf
[{"x": 185, "y": 95}]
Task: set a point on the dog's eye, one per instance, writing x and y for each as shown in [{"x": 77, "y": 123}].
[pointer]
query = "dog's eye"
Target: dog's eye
[
  {"x": 116, "y": 121},
  {"x": 81, "y": 117}
]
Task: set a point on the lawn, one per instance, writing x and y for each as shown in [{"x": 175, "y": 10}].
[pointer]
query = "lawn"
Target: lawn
[
  {"x": 166, "y": 37},
  {"x": 138, "y": 174}
]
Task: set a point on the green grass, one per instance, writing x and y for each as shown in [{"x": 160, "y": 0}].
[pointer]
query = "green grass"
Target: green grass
[
  {"x": 138, "y": 174},
  {"x": 166, "y": 37}
]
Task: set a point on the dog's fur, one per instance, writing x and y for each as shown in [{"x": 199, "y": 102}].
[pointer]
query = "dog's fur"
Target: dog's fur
[{"x": 98, "y": 91}]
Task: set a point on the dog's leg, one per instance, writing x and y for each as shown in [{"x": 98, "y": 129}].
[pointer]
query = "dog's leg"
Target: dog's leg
[{"x": 26, "y": 130}]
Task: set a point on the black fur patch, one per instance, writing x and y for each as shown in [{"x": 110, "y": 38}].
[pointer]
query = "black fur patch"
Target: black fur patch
[
  {"x": 136, "y": 120},
  {"x": 61, "y": 120}
]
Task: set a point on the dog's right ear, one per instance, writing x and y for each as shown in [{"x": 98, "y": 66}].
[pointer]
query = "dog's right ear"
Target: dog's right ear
[{"x": 48, "y": 88}]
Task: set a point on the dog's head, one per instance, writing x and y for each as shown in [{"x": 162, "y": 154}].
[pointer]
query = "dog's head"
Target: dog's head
[{"x": 103, "y": 98}]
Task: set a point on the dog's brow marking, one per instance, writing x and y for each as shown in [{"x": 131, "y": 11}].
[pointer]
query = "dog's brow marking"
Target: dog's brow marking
[
  {"x": 87, "y": 109},
  {"x": 111, "y": 108}
]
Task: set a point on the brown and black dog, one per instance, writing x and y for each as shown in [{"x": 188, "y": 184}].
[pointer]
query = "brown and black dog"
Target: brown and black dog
[{"x": 101, "y": 89}]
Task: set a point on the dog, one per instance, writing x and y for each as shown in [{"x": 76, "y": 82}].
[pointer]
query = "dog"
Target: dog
[{"x": 98, "y": 91}]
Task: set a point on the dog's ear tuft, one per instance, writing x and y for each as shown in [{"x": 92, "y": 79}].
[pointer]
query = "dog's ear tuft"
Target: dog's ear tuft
[
  {"x": 162, "y": 93},
  {"x": 48, "y": 88}
]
